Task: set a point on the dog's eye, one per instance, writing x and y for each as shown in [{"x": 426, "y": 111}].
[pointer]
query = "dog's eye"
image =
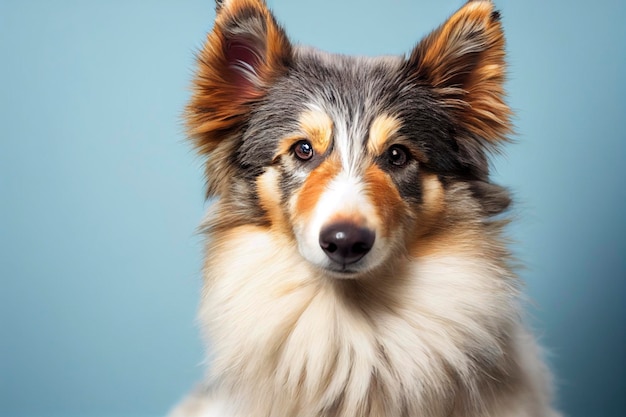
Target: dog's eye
[
  {"x": 303, "y": 150},
  {"x": 398, "y": 155}
]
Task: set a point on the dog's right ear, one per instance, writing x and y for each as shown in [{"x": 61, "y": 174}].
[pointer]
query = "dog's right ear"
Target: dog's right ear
[{"x": 243, "y": 54}]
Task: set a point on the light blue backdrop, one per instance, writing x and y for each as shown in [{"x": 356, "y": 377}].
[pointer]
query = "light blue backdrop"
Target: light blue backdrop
[{"x": 100, "y": 195}]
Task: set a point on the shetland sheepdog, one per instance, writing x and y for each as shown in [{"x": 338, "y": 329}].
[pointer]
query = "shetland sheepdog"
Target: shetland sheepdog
[{"x": 355, "y": 262}]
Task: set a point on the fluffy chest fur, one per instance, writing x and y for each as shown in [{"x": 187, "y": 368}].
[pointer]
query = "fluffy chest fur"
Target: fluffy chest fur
[{"x": 425, "y": 339}]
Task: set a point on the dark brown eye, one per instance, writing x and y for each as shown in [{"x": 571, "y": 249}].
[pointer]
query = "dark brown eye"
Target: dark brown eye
[
  {"x": 303, "y": 150},
  {"x": 398, "y": 155}
]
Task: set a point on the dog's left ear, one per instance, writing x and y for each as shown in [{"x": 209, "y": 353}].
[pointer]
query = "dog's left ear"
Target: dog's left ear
[{"x": 464, "y": 61}]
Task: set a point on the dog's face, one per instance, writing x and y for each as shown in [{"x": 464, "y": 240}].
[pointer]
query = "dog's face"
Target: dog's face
[
  {"x": 343, "y": 143},
  {"x": 353, "y": 159}
]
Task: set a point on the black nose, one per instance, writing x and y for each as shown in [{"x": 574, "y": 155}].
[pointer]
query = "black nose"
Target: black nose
[{"x": 345, "y": 242}]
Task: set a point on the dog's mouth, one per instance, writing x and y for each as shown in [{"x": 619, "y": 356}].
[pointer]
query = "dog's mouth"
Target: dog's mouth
[{"x": 343, "y": 271}]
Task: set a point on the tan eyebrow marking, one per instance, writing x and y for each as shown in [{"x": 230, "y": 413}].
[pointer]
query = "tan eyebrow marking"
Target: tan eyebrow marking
[
  {"x": 383, "y": 128},
  {"x": 315, "y": 126},
  {"x": 318, "y": 127}
]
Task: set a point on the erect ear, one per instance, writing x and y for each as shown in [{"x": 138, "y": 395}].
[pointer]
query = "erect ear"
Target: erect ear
[
  {"x": 243, "y": 54},
  {"x": 463, "y": 60}
]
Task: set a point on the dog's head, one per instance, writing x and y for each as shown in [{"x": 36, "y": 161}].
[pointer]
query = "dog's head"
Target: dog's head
[{"x": 357, "y": 160}]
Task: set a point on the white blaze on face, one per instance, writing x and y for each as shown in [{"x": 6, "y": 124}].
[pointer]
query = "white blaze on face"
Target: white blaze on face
[
  {"x": 343, "y": 147},
  {"x": 337, "y": 192}
]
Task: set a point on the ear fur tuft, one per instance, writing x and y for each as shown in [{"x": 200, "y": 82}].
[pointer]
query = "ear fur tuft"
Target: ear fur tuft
[
  {"x": 464, "y": 61},
  {"x": 242, "y": 56}
]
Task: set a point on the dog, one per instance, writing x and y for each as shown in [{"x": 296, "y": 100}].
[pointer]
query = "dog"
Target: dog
[{"x": 356, "y": 262}]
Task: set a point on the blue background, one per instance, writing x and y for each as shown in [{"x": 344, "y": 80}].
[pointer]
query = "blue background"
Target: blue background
[{"x": 101, "y": 195}]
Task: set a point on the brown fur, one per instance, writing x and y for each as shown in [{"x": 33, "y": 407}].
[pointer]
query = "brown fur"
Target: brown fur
[
  {"x": 315, "y": 184},
  {"x": 221, "y": 99},
  {"x": 390, "y": 207},
  {"x": 464, "y": 60}
]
